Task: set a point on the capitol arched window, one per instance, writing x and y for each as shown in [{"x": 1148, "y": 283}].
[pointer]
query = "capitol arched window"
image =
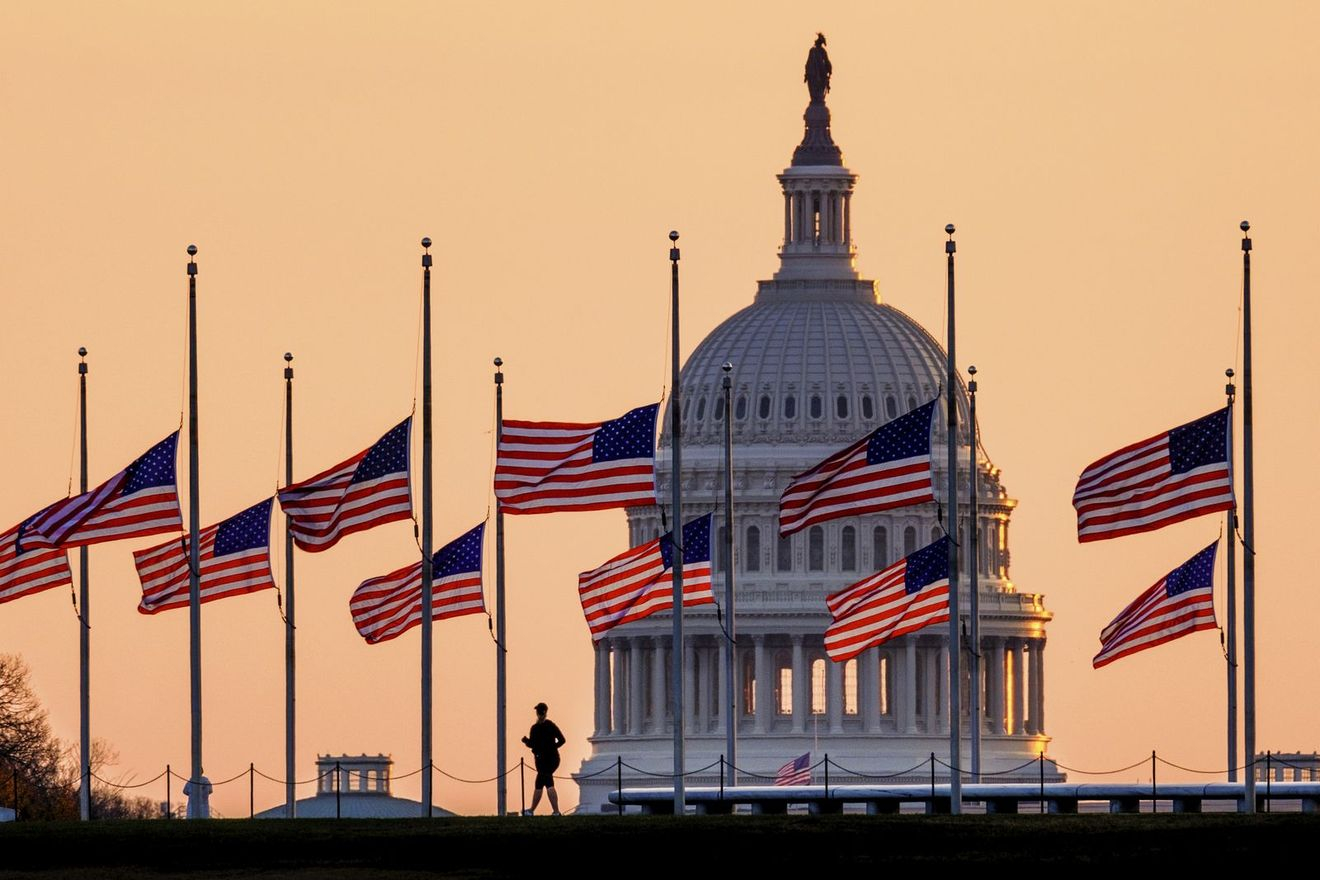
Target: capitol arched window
[
  {"x": 719, "y": 408},
  {"x": 848, "y": 548},
  {"x": 880, "y": 547},
  {"x": 909, "y": 541},
  {"x": 784, "y": 553},
  {"x": 891, "y": 407},
  {"x": 816, "y": 407},
  {"x": 816, "y": 548},
  {"x": 841, "y": 406},
  {"x": 912, "y": 403},
  {"x": 763, "y": 407},
  {"x": 936, "y": 533},
  {"x": 868, "y": 407},
  {"x": 740, "y": 408},
  {"x": 720, "y": 550},
  {"x": 790, "y": 407},
  {"x": 701, "y": 409},
  {"x": 752, "y": 556}
]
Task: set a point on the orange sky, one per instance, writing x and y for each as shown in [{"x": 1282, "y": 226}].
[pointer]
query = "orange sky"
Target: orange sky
[{"x": 1096, "y": 158}]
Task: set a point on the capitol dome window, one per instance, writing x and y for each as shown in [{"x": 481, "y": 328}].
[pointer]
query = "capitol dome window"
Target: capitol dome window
[
  {"x": 848, "y": 548},
  {"x": 880, "y": 547},
  {"x": 891, "y": 407},
  {"x": 912, "y": 403},
  {"x": 790, "y": 407},
  {"x": 740, "y": 408},
  {"x": 701, "y": 409},
  {"x": 784, "y": 554},
  {"x": 909, "y": 541},
  {"x": 763, "y": 407},
  {"x": 816, "y": 549},
  {"x": 868, "y": 407},
  {"x": 752, "y": 555},
  {"x": 936, "y": 533},
  {"x": 841, "y": 406},
  {"x": 816, "y": 407},
  {"x": 719, "y": 408}
]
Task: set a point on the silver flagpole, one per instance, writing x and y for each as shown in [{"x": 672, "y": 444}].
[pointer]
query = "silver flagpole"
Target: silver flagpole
[
  {"x": 1248, "y": 538},
  {"x": 194, "y": 563},
  {"x": 676, "y": 526},
  {"x": 730, "y": 721},
  {"x": 290, "y": 682},
  {"x": 973, "y": 566},
  {"x": 1230, "y": 647},
  {"x": 427, "y": 573},
  {"x": 955, "y": 645},
  {"x": 84, "y": 618},
  {"x": 501, "y": 658}
]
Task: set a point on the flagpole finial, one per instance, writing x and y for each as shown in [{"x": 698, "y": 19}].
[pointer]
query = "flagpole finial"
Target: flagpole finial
[
  {"x": 673, "y": 251},
  {"x": 426, "y": 241},
  {"x": 192, "y": 250},
  {"x": 82, "y": 351},
  {"x": 1244, "y": 226},
  {"x": 288, "y": 369},
  {"x": 82, "y": 364},
  {"x": 499, "y": 372},
  {"x": 949, "y": 246}
]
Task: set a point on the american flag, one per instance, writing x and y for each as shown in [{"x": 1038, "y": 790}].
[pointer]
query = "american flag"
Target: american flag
[
  {"x": 639, "y": 582},
  {"x": 544, "y": 467},
  {"x": 795, "y": 772},
  {"x": 140, "y": 500},
  {"x": 384, "y": 608},
  {"x": 890, "y": 467},
  {"x": 26, "y": 570},
  {"x": 233, "y": 559},
  {"x": 1171, "y": 477},
  {"x": 909, "y": 595},
  {"x": 367, "y": 490},
  {"x": 1179, "y": 603}
]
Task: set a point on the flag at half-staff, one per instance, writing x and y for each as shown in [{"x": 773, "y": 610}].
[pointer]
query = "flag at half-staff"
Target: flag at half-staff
[
  {"x": 890, "y": 467},
  {"x": 140, "y": 500},
  {"x": 1182, "y": 473},
  {"x": 545, "y": 467},
  {"x": 1179, "y": 603},
  {"x": 796, "y": 771},
  {"x": 367, "y": 490},
  {"x": 233, "y": 557},
  {"x": 639, "y": 582},
  {"x": 24, "y": 569},
  {"x": 909, "y": 595},
  {"x": 386, "y": 607}
]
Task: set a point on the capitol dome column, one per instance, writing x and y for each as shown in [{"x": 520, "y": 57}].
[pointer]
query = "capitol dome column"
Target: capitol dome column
[
  {"x": 1019, "y": 697},
  {"x": 834, "y": 695},
  {"x": 602, "y": 654},
  {"x": 658, "y": 702},
  {"x": 910, "y": 685},
  {"x": 995, "y": 657},
  {"x": 869, "y": 685},
  {"x": 799, "y": 686},
  {"x": 942, "y": 705},
  {"x": 760, "y": 684},
  {"x": 635, "y": 708}
]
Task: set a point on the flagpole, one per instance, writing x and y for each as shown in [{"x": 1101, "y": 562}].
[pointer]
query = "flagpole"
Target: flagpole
[
  {"x": 194, "y": 562},
  {"x": 973, "y": 569},
  {"x": 427, "y": 573},
  {"x": 1231, "y": 601},
  {"x": 501, "y": 669},
  {"x": 1248, "y": 538},
  {"x": 676, "y": 526},
  {"x": 730, "y": 721},
  {"x": 290, "y": 682},
  {"x": 955, "y": 647},
  {"x": 84, "y": 618}
]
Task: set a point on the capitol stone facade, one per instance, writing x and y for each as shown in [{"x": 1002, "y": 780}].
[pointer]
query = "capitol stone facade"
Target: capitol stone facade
[{"x": 818, "y": 361}]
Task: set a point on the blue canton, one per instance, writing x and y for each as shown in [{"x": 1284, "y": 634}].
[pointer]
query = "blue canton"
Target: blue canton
[
  {"x": 1197, "y": 573},
  {"x": 696, "y": 542},
  {"x": 155, "y": 468},
  {"x": 927, "y": 565},
  {"x": 629, "y": 436},
  {"x": 905, "y": 437},
  {"x": 460, "y": 555},
  {"x": 248, "y": 530},
  {"x": 388, "y": 456},
  {"x": 1198, "y": 443}
]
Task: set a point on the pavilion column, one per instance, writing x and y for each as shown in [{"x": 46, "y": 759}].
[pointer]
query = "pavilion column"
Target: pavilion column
[
  {"x": 788, "y": 218},
  {"x": 942, "y": 701},
  {"x": 635, "y": 708},
  {"x": 930, "y": 657},
  {"x": 602, "y": 655},
  {"x": 910, "y": 685},
  {"x": 995, "y": 669},
  {"x": 1038, "y": 687},
  {"x": 1015, "y": 667},
  {"x": 799, "y": 217},
  {"x": 847, "y": 218},
  {"x": 799, "y": 686},
  {"x": 763, "y": 706},
  {"x": 690, "y": 685},
  {"x": 834, "y": 695},
  {"x": 659, "y": 705},
  {"x": 836, "y": 217},
  {"x": 869, "y": 685}
]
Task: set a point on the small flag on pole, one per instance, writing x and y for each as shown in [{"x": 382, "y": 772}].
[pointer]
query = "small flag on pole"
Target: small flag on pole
[
  {"x": 890, "y": 467},
  {"x": 545, "y": 467},
  {"x": 1180, "y": 474},
  {"x": 795, "y": 772},
  {"x": 233, "y": 558},
  {"x": 367, "y": 490},
  {"x": 386, "y": 607},
  {"x": 140, "y": 500},
  {"x": 1179, "y": 603},
  {"x": 639, "y": 582},
  {"x": 26, "y": 570},
  {"x": 909, "y": 595}
]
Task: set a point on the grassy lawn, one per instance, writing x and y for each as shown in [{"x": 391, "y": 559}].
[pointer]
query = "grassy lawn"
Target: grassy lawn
[{"x": 645, "y": 846}]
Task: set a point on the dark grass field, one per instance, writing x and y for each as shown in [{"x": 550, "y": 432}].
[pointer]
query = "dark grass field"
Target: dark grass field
[{"x": 692, "y": 846}]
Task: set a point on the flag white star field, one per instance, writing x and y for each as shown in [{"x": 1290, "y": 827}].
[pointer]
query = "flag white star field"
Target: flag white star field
[
  {"x": 544, "y": 467},
  {"x": 233, "y": 558},
  {"x": 384, "y": 608},
  {"x": 367, "y": 490},
  {"x": 26, "y": 570},
  {"x": 890, "y": 467},
  {"x": 1177, "y": 475}
]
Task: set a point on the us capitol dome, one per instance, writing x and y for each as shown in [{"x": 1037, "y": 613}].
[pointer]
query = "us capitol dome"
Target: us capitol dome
[{"x": 818, "y": 361}]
